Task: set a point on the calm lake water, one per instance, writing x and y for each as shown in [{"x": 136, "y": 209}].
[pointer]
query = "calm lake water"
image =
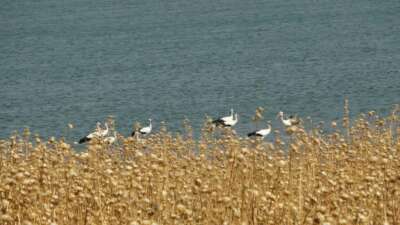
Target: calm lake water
[{"x": 79, "y": 61}]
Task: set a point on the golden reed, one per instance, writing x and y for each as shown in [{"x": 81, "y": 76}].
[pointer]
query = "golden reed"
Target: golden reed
[{"x": 348, "y": 176}]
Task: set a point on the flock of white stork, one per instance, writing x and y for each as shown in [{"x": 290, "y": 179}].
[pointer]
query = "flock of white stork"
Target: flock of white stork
[{"x": 227, "y": 121}]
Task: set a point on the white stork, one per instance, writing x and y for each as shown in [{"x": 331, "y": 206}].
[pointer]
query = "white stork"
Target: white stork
[
  {"x": 227, "y": 121},
  {"x": 144, "y": 130},
  {"x": 111, "y": 139},
  {"x": 288, "y": 122},
  {"x": 98, "y": 133},
  {"x": 262, "y": 133}
]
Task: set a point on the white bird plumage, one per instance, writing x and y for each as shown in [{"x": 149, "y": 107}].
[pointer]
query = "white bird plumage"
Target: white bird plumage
[
  {"x": 261, "y": 133},
  {"x": 144, "y": 130},
  {"x": 289, "y": 121},
  {"x": 227, "y": 121},
  {"x": 104, "y": 132},
  {"x": 98, "y": 133},
  {"x": 111, "y": 139}
]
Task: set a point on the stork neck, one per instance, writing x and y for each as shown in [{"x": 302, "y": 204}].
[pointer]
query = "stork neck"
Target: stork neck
[
  {"x": 282, "y": 118},
  {"x": 236, "y": 117},
  {"x": 98, "y": 126}
]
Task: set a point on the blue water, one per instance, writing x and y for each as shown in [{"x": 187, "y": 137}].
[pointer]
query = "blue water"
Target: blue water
[{"x": 79, "y": 61}]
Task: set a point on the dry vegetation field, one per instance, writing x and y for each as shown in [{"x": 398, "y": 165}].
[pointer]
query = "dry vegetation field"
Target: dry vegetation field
[{"x": 348, "y": 176}]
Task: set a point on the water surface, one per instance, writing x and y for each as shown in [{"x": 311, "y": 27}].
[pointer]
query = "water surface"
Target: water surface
[{"x": 79, "y": 61}]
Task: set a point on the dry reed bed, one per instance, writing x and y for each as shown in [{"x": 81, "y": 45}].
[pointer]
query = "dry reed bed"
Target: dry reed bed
[{"x": 349, "y": 177}]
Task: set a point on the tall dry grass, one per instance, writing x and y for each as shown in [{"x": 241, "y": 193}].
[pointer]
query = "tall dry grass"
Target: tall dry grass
[{"x": 348, "y": 176}]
